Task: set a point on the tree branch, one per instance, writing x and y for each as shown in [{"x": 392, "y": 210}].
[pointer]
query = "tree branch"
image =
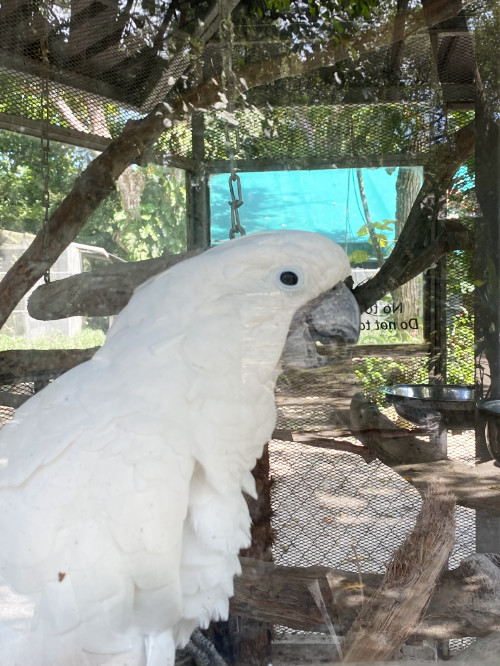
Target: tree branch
[
  {"x": 102, "y": 292},
  {"x": 414, "y": 247},
  {"x": 107, "y": 290}
]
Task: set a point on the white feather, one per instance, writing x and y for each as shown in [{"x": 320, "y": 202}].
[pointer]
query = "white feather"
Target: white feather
[{"x": 121, "y": 483}]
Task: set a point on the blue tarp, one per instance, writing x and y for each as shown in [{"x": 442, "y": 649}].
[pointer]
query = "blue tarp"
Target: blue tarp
[{"x": 325, "y": 201}]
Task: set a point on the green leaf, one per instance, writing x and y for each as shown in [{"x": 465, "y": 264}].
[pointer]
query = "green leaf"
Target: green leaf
[{"x": 359, "y": 256}]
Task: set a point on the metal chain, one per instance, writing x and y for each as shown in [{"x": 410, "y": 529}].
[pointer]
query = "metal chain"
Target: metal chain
[
  {"x": 45, "y": 147},
  {"x": 231, "y": 125},
  {"x": 235, "y": 203}
]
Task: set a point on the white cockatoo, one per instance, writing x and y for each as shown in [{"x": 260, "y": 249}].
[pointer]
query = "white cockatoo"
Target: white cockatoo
[{"x": 121, "y": 505}]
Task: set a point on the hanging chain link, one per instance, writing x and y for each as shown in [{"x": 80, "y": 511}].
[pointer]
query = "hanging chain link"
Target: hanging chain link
[
  {"x": 45, "y": 147},
  {"x": 231, "y": 124},
  {"x": 235, "y": 203}
]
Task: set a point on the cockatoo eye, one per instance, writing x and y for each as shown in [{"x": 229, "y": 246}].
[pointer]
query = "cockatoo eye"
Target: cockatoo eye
[{"x": 289, "y": 278}]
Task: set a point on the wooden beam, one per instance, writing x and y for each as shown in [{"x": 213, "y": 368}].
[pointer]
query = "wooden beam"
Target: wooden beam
[
  {"x": 25, "y": 68},
  {"x": 55, "y": 133},
  {"x": 453, "y": 54},
  {"x": 465, "y": 602},
  {"x": 197, "y": 193},
  {"x": 25, "y": 365},
  {"x": 312, "y": 163},
  {"x": 487, "y": 251}
]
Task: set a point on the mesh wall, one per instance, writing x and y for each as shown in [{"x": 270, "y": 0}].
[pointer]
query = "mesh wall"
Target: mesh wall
[
  {"x": 326, "y": 132},
  {"x": 104, "y": 69},
  {"x": 326, "y": 500},
  {"x": 12, "y": 396},
  {"x": 336, "y": 508},
  {"x": 302, "y": 134}
]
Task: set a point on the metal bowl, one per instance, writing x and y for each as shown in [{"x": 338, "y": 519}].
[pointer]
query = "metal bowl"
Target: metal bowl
[
  {"x": 449, "y": 405},
  {"x": 490, "y": 409}
]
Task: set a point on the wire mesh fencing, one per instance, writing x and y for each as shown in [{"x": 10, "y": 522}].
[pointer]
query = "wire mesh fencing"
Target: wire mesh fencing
[{"x": 335, "y": 507}]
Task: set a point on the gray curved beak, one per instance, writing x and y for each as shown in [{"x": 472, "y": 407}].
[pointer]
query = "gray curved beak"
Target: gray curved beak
[{"x": 320, "y": 326}]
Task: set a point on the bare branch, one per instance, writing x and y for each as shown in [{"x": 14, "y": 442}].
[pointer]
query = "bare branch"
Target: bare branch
[{"x": 393, "y": 613}]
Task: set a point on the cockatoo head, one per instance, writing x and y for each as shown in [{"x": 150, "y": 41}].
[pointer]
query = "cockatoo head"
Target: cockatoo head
[
  {"x": 256, "y": 298},
  {"x": 290, "y": 282},
  {"x": 301, "y": 273}
]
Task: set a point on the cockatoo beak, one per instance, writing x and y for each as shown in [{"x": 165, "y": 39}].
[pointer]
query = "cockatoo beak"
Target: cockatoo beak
[{"x": 320, "y": 326}]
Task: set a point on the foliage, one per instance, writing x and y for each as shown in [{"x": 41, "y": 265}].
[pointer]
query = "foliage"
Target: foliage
[
  {"x": 379, "y": 228},
  {"x": 157, "y": 225},
  {"x": 374, "y": 373},
  {"x": 85, "y": 339},
  {"x": 460, "y": 357},
  {"x": 161, "y": 221},
  {"x": 21, "y": 180},
  {"x": 311, "y": 17}
]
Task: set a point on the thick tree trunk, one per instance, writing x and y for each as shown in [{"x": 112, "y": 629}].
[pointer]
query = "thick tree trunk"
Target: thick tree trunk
[{"x": 407, "y": 188}]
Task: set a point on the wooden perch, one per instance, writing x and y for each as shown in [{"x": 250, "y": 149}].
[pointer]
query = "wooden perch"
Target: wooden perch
[
  {"x": 97, "y": 293},
  {"x": 393, "y": 613},
  {"x": 25, "y": 365},
  {"x": 475, "y": 487},
  {"x": 465, "y": 603},
  {"x": 392, "y": 445},
  {"x": 325, "y": 439}
]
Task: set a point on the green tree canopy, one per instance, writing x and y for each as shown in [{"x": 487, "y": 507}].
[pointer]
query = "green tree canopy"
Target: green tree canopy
[{"x": 153, "y": 225}]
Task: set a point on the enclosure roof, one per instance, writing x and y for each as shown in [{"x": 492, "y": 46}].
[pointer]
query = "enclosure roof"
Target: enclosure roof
[{"x": 135, "y": 57}]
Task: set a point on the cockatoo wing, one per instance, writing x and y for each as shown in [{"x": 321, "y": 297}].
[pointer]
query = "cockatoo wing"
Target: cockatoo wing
[{"x": 94, "y": 504}]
